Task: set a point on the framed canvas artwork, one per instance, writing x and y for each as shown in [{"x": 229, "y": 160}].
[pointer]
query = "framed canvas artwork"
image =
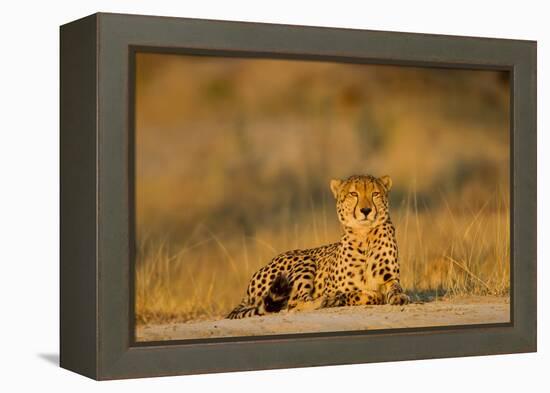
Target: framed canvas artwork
[{"x": 239, "y": 196}]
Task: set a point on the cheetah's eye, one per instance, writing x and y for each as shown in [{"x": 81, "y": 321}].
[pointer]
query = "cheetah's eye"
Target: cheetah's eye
[
  {"x": 354, "y": 194},
  {"x": 374, "y": 194}
]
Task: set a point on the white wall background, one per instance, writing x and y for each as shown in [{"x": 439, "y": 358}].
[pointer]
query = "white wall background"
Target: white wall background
[{"x": 29, "y": 193}]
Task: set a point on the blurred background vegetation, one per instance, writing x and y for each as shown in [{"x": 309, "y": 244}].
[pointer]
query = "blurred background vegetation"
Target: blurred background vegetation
[{"x": 234, "y": 157}]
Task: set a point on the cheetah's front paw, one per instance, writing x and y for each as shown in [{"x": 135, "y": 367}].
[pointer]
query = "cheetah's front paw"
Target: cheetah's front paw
[{"x": 398, "y": 299}]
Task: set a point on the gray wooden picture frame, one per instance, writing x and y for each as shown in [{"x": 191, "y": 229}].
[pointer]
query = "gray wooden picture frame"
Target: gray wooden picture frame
[{"x": 96, "y": 267}]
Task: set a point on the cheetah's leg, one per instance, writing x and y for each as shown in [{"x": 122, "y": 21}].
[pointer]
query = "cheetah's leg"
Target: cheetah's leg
[
  {"x": 394, "y": 293},
  {"x": 308, "y": 304},
  {"x": 355, "y": 298},
  {"x": 301, "y": 296},
  {"x": 388, "y": 282}
]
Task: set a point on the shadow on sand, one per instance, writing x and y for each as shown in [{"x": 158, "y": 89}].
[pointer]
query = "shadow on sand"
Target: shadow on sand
[{"x": 426, "y": 296}]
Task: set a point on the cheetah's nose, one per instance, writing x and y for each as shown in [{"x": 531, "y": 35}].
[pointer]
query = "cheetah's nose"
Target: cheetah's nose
[{"x": 366, "y": 211}]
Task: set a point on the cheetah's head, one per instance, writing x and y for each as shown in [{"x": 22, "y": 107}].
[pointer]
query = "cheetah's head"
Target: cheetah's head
[{"x": 362, "y": 201}]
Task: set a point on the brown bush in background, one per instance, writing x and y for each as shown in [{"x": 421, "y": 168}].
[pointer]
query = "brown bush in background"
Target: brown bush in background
[{"x": 234, "y": 156}]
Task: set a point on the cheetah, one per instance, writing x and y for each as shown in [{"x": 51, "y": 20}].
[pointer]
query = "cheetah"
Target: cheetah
[{"x": 361, "y": 269}]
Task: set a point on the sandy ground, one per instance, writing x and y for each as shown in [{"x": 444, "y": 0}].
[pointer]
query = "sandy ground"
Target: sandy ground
[{"x": 458, "y": 311}]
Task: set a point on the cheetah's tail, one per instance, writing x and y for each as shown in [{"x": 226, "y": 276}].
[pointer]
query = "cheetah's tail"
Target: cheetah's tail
[{"x": 275, "y": 300}]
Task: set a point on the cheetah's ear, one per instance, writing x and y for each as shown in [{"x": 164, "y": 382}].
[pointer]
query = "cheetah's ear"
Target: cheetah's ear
[
  {"x": 335, "y": 185},
  {"x": 387, "y": 182}
]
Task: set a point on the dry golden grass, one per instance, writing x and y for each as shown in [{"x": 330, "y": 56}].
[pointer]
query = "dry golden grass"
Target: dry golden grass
[{"x": 442, "y": 253}]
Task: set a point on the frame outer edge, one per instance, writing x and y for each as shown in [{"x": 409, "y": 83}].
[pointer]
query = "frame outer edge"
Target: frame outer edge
[
  {"x": 78, "y": 202},
  {"x": 117, "y": 358},
  {"x": 525, "y": 133}
]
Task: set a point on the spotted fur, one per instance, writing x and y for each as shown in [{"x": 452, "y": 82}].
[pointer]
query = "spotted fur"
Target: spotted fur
[{"x": 361, "y": 269}]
